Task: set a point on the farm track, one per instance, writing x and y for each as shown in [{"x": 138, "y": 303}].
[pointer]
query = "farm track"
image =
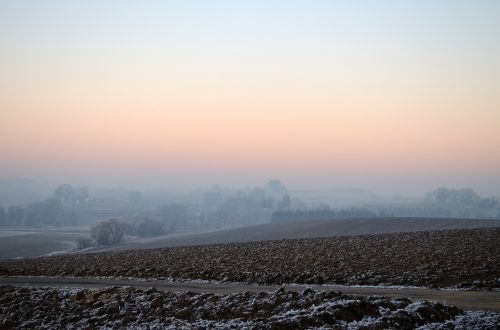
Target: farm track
[{"x": 467, "y": 300}]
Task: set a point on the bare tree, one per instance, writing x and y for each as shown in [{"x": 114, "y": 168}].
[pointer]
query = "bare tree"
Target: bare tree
[
  {"x": 285, "y": 203},
  {"x": 64, "y": 192},
  {"x": 149, "y": 228},
  {"x": 109, "y": 232}
]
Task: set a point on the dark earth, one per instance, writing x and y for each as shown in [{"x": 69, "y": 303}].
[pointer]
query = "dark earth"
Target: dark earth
[{"x": 465, "y": 258}]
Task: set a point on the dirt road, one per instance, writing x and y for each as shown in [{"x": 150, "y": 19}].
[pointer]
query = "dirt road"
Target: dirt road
[{"x": 468, "y": 300}]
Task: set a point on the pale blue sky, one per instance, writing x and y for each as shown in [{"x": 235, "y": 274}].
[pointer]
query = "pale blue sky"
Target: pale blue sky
[{"x": 425, "y": 72}]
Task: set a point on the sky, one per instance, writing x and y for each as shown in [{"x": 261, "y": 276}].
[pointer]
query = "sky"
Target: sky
[{"x": 393, "y": 96}]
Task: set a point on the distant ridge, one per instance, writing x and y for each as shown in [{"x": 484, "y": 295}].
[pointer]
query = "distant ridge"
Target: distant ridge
[{"x": 312, "y": 228}]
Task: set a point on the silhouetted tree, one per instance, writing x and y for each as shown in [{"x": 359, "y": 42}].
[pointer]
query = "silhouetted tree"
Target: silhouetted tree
[
  {"x": 267, "y": 203},
  {"x": 67, "y": 217},
  {"x": 487, "y": 203},
  {"x": 275, "y": 188},
  {"x": 109, "y": 232},
  {"x": 463, "y": 197},
  {"x": 80, "y": 195},
  {"x": 3, "y": 216},
  {"x": 212, "y": 197},
  {"x": 239, "y": 211},
  {"x": 43, "y": 213},
  {"x": 15, "y": 215},
  {"x": 64, "y": 193},
  {"x": 69, "y": 195},
  {"x": 285, "y": 203},
  {"x": 175, "y": 215},
  {"x": 149, "y": 228}
]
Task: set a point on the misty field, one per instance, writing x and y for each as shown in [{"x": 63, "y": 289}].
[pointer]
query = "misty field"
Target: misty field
[
  {"x": 468, "y": 258},
  {"x": 23, "y": 243},
  {"x": 308, "y": 229}
]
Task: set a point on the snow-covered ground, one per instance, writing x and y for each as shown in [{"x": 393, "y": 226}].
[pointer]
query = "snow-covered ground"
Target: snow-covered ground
[
  {"x": 480, "y": 320},
  {"x": 48, "y": 308}
]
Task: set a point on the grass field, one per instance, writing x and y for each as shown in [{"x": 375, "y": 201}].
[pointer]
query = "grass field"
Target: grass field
[{"x": 15, "y": 243}]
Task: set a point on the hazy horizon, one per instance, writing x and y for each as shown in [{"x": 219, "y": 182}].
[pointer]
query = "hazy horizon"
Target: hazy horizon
[
  {"x": 189, "y": 186},
  {"x": 392, "y": 97}
]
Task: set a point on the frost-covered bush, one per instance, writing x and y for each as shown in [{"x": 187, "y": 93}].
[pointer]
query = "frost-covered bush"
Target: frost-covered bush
[{"x": 83, "y": 243}]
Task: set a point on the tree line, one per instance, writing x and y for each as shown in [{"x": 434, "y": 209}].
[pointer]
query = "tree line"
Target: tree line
[
  {"x": 49, "y": 212},
  {"x": 460, "y": 197},
  {"x": 54, "y": 211}
]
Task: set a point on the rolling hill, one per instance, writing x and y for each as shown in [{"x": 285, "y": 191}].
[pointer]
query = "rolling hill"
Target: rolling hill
[{"x": 309, "y": 229}]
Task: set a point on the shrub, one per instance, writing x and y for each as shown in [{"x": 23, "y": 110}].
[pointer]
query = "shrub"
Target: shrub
[
  {"x": 83, "y": 243},
  {"x": 150, "y": 228}
]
